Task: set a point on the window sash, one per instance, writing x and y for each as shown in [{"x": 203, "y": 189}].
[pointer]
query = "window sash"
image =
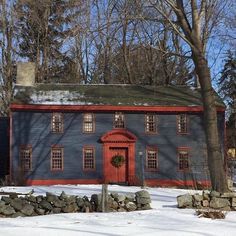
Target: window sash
[
  {"x": 152, "y": 159},
  {"x": 88, "y": 123},
  {"x": 57, "y": 123},
  {"x": 26, "y": 158},
  {"x": 89, "y": 159},
  {"x": 119, "y": 120},
  {"x": 183, "y": 160},
  {"x": 57, "y": 158},
  {"x": 150, "y": 121},
  {"x": 182, "y": 123}
]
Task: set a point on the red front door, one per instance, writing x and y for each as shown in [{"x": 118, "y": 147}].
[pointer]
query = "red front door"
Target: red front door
[{"x": 117, "y": 175}]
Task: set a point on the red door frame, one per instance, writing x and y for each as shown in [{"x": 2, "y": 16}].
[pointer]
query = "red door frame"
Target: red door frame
[{"x": 119, "y": 138}]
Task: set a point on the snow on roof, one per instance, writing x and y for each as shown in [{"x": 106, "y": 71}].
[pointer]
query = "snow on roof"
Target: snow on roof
[{"x": 70, "y": 94}]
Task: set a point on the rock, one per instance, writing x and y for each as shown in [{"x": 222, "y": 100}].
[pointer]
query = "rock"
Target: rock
[
  {"x": 205, "y": 203},
  {"x": 17, "y": 204},
  {"x": 27, "y": 210},
  {"x": 2, "y": 203},
  {"x": 142, "y": 197},
  {"x": 40, "y": 211},
  {"x": 39, "y": 199},
  {"x": 130, "y": 206},
  {"x": 18, "y": 214},
  {"x": 197, "y": 197},
  {"x": 114, "y": 195},
  {"x": 50, "y": 197},
  {"x": 31, "y": 198},
  {"x": 70, "y": 208},
  {"x": 80, "y": 202},
  {"x": 228, "y": 195},
  {"x": 146, "y": 207},
  {"x": 206, "y": 195},
  {"x": 120, "y": 198},
  {"x": 70, "y": 199},
  {"x": 121, "y": 209},
  {"x": 219, "y": 202},
  {"x": 56, "y": 210},
  {"x": 185, "y": 200},
  {"x": 214, "y": 194},
  {"x": 59, "y": 203},
  {"x": 130, "y": 198},
  {"x": 7, "y": 210},
  {"x": 46, "y": 205},
  {"x": 114, "y": 205},
  {"x": 233, "y": 202},
  {"x": 227, "y": 208},
  {"x": 63, "y": 195},
  {"x": 13, "y": 195},
  {"x": 6, "y": 199}
]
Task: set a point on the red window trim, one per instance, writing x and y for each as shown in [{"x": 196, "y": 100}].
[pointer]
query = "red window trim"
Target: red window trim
[
  {"x": 62, "y": 123},
  {"x": 26, "y": 146},
  {"x": 62, "y": 159},
  {"x": 155, "y": 123},
  {"x": 94, "y": 159},
  {"x": 177, "y": 124},
  {"x": 93, "y": 123},
  {"x": 123, "y": 120},
  {"x": 152, "y": 148},
  {"x": 178, "y": 152}
]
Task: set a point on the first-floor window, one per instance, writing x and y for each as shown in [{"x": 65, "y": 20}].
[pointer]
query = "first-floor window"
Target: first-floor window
[
  {"x": 151, "y": 158},
  {"x": 89, "y": 158},
  {"x": 26, "y": 158},
  {"x": 183, "y": 155},
  {"x": 57, "y": 155}
]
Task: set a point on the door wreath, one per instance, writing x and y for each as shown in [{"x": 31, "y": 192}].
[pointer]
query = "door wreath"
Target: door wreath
[{"x": 117, "y": 161}]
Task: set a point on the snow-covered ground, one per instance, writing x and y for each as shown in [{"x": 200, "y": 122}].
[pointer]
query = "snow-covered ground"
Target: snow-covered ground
[{"x": 164, "y": 219}]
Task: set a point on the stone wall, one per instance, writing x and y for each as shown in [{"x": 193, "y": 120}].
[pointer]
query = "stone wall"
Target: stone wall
[
  {"x": 208, "y": 200},
  {"x": 30, "y": 205}
]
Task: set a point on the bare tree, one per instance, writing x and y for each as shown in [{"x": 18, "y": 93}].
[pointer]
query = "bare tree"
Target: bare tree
[
  {"x": 194, "y": 21},
  {"x": 7, "y": 65}
]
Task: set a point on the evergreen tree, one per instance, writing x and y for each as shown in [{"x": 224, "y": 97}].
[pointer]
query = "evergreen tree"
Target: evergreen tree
[{"x": 43, "y": 27}]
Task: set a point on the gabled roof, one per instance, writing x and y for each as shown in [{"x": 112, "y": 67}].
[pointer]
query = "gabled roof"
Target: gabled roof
[{"x": 118, "y": 95}]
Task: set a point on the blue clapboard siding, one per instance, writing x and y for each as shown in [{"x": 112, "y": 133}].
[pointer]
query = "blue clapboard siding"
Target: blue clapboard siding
[
  {"x": 34, "y": 128},
  {"x": 4, "y": 146}
]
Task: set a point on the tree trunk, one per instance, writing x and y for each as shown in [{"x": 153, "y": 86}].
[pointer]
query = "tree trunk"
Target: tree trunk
[{"x": 215, "y": 157}]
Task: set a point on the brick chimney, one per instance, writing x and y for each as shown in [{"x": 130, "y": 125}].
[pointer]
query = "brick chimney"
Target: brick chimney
[{"x": 25, "y": 74}]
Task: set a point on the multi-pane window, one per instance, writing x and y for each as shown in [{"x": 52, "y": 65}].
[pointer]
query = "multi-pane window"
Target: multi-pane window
[
  {"x": 26, "y": 158},
  {"x": 88, "y": 123},
  {"x": 183, "y": 155},
  {"x": 150, "y": 123},
  {"x": 151, "y": 158},
  {"x": 89, "y": 158},
  {"x": 57, "y": 154},
  {"x": 182, "y": 124},
  {"x": 119, "y": 121},
  {"x": 57, "y": 123}
]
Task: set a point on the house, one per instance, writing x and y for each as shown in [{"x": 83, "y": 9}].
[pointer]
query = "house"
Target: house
[{"x": 73, "y": 134}]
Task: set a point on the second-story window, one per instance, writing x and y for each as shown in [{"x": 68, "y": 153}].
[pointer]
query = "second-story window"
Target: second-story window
[
  {"x": 150, "y": 123},
  {"x": 119, "y": 121},
  {"x": 57, "y": 123},
  {"x": 182, "y": 124},
  {"x": 88, "y": 123}
]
